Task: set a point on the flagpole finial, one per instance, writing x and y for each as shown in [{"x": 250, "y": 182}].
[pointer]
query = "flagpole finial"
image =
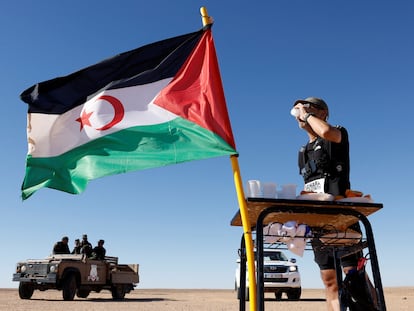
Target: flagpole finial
[{"x": 207, "y": 20}]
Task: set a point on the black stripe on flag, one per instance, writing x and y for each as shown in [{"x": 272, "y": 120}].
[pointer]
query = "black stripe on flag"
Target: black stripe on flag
[{"x": 146, "y": 64}]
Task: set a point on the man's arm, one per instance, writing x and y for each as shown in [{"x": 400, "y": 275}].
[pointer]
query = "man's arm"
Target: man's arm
[
  {"x": 323, "y": 129},
  {"x": 313, "y": 121}
]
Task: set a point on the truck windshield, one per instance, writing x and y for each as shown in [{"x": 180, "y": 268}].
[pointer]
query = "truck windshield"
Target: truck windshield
[{"x": 274, "y": 256}]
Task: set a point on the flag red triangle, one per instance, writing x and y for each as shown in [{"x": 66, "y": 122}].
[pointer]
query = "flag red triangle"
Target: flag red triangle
[{"x": 196, "y": 92}]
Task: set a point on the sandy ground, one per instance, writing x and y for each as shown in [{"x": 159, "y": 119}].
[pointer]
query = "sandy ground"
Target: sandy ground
[{"x": 398, "y": 299}]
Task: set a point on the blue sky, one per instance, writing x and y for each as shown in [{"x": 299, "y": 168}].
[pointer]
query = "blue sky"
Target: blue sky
[{"x": 175, "y": 221}]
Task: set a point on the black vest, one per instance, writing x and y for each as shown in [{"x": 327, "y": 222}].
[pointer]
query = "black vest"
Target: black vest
[{"x": 325, "y": 159}]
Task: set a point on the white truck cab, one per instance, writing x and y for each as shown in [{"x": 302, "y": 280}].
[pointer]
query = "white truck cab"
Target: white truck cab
[{"x": 281, "y": 275}]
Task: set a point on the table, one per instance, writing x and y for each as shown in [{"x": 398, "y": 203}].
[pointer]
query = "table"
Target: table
[{"x": 337, "y": 214}]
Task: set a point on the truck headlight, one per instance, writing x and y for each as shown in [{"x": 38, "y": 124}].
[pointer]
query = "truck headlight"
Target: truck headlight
[
  {"x": 293, "y": 268},
  {"x": 23, "y": 269},
  {"x": 53, "y": 269}
]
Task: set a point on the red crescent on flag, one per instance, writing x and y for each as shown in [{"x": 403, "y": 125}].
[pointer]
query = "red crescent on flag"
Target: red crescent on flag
[{"x": 118, "y": 111}]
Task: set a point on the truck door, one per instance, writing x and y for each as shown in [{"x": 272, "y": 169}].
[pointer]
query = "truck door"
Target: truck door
[{"x": 95, "y": 272}]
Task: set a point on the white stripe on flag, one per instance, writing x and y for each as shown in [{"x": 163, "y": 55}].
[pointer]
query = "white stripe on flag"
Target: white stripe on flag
[{"x": 52, "y": 135}]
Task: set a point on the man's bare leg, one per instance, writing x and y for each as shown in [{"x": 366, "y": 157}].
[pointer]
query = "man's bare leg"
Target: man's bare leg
[{"x": 331, "y": 289}]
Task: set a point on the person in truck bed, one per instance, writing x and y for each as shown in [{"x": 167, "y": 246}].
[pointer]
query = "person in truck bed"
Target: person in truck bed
[
  {"x": 62, "y": 246},
  {"x": 77, "y": 247},
  {"x": 86, "y": 247},
  {"x": 99, "y": 251}
]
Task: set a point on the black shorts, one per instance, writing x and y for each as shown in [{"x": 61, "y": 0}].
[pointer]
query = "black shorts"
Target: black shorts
[{"x": 324, "y": 257}]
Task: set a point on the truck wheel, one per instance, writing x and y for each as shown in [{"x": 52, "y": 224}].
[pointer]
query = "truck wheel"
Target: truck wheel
[
  {"x": 118, "y": 292},
  {"x": 25, "y": 290},
  {"x": 69, "y": 287},
  {"x": 278, "y": 296},
  {"x": 83, "y": 293},
  {"x": 246, "y": 297},
  {"x": 294, "y": 293}
]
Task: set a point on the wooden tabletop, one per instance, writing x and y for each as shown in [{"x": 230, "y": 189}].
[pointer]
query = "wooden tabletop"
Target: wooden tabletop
[{"x": 311, "y": 217}]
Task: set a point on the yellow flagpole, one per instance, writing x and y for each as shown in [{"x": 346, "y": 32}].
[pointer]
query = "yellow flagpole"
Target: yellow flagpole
[
  {"x": 247, "y": 232},
  {"x": 207, "y": 20}
]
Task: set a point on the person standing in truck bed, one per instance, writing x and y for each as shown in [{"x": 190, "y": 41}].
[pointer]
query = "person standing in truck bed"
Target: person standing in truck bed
[{"x": 86, "y": 247}]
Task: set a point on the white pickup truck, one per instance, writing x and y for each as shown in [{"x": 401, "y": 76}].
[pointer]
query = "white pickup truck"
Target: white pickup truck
[{"x": 281, "y": 275}]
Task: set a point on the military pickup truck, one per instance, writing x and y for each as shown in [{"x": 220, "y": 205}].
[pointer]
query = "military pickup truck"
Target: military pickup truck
[{"x": 76, "y": 275}]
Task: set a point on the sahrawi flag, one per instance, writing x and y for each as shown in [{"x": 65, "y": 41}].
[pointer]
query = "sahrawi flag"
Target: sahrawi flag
[{"x": 159, "y": 104}]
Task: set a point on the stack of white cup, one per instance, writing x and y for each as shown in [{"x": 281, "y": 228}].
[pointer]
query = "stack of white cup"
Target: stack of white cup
[
  {"x": 257, "y": 189},
  {"x": 288, "y": 192}
]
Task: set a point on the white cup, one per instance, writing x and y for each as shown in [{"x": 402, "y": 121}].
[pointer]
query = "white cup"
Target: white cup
[
  {"x": 288, "y": 192},
  {"x": 254, "y": 189},
  {"x": 294, "y": 112},
  {"x": 269, "y": 190}
]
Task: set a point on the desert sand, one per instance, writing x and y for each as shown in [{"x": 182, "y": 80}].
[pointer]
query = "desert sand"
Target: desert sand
[{"x": 398, "y": 299}]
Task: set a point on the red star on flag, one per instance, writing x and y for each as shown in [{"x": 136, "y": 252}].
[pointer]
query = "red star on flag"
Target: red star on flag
[{"x": 84, "y": 119}]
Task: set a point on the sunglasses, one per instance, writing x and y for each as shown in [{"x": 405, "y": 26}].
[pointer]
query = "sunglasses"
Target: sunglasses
[{"x": 319, "y": 107}]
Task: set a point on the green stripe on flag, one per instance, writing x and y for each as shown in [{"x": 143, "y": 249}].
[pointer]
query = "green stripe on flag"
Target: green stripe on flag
[{"x": 135, "y": 148}]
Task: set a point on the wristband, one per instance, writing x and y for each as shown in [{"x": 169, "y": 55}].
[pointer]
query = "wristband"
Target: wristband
[{"x": 307, "y": 116}]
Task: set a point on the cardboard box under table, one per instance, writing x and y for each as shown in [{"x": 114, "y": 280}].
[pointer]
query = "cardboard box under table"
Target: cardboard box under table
[{"x": 316, "y": 214}]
